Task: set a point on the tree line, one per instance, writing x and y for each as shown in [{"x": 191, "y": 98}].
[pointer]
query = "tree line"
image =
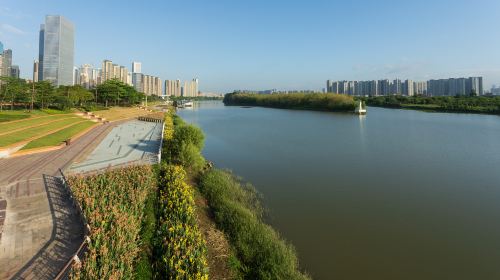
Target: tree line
[
  {"x": 18, "y": 93},
  {"x": 459, "y": 103},
  {"x": 306, "y": 101}
]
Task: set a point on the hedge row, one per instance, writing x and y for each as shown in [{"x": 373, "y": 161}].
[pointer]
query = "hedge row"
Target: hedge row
[
  {"x": 113, "y": 203},
  {"x": 182, "y": 250}
]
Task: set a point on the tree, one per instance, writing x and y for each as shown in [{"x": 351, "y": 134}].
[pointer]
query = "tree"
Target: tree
[
  {"x": 45, "y": 93},
  {"x": 12, "y": 90}
]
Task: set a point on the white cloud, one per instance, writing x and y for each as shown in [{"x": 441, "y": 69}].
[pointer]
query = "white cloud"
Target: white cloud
[{"x": 11, "y": 29}]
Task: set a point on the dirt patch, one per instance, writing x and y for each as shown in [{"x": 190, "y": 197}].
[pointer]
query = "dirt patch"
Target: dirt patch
[{"x": 218, "y": 247}]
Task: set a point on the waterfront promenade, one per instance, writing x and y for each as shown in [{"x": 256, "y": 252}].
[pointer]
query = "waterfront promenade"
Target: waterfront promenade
[{"x": 39, "y": 229}]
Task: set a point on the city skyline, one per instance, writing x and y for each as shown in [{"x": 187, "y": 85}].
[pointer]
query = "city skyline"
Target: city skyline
[{"x": 297, "y": 46}]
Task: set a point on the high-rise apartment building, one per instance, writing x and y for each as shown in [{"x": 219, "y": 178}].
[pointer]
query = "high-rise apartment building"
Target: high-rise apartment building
[
  {"x": 76, "y": 76},
  {"x": 86, "y": 78},
  {"x": 36, "y": 69},
  {"x": 407, "y": 88},
  {"x": 190, "y": 88},
  {"x": 5, "y": 69},
  {"x": 114, "y": 71},
  {"x": 58, "y": 50},
  {"x": 420, "y": 88},
  {"x": 136, "y": 67},
  {"x": 173, "y": 88}
]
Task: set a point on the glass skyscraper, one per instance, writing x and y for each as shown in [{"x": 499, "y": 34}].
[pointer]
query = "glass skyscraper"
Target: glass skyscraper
[
  {"x": 1, "y": 48},
  {"x": 57, "y": 46}
]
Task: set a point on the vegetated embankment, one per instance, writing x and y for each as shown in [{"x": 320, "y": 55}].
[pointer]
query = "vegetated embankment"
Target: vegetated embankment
[
  {"x": 452, "y": 104},
  {"x": 258, "y": 250},
  {"x": 300, "y": 101}
]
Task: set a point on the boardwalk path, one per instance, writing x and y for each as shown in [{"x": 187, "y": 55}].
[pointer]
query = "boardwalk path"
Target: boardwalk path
[{"x": 39, "y": 232}]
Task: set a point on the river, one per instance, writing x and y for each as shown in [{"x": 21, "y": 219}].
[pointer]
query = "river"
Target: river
[{"x": 398, "y": 194}]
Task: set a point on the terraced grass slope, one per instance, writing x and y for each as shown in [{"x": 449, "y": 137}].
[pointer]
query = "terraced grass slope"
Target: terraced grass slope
[
  {"x": 60, "y": 136},
  {"x": 32, "y": 121},
  {"x": 41, "y": 128},
  {"x": 118, "y": 113},
  {"x": 7, "y": 117}
]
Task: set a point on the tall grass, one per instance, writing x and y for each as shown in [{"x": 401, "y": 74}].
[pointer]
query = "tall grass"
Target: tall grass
[{"x": 262, "y": 253}]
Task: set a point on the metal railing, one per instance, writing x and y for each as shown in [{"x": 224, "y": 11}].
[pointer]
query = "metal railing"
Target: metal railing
[{"x": 82, "y": 249}]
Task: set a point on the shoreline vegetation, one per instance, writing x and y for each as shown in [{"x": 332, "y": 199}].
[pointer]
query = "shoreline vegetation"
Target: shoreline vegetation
[
  {"x": 297, "y": 101},
  {"x": 145, "y": 220},
  {"x": 448, "y": 104},
  {"x": 257, "y": 250}
]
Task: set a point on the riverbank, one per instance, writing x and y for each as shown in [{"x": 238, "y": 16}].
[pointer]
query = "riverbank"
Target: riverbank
[
  {"x": 448, "y": 104},
  {"x": 257, "y": 250},
  {"x": 297, "y": 101}
]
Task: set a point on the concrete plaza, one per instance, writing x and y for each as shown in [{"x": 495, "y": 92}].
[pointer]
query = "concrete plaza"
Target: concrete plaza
[{"x": 131, "y": 142}]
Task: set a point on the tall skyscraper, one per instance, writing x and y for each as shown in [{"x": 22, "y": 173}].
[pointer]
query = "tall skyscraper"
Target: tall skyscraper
[
  {"x": 1, "y": 48},
  {"x": 58, "y": 50},
  {"x": 41, "y": 39},
  {"x": 36, "y": 69},
  {"x": 136, "y": 67}
]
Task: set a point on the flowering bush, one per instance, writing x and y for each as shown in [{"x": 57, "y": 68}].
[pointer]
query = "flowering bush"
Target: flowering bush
[
  {"x": 113, "y": 203},
  {"x": 182, "y": 248}
]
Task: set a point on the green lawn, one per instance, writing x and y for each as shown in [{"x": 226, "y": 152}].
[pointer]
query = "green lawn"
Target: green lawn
[
  {"x": 12, "y": 117},
  {"x": 6, "y": 127},
  {"x": 22, "y": 135},
  {"x": 57, "y": 138}
]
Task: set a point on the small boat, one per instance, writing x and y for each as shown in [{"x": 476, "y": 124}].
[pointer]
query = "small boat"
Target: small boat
[
  {"x": 188, "y": 104},
  {"x": 360, "y": 110}
]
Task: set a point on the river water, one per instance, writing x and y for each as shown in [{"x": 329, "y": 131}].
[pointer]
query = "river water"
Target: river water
[{"x": 398, "y": 194}]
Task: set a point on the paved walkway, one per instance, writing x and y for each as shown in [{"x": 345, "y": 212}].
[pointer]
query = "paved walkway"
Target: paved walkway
[
  {"x": 133, "y": 141},
  {"x": 40, "y": 231}
]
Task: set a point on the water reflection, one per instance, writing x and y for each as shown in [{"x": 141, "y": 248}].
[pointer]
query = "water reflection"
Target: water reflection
[{"x": 416, "y": 197}]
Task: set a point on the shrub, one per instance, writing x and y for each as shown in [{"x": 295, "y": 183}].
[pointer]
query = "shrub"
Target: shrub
[
  {"x": 181, "y": 246},
  {"x": 260, "y": 250},
  {"x": 183, "y": 143}
]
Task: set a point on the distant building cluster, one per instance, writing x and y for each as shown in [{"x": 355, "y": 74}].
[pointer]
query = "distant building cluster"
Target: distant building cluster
[
  {"x": 177, "y": 89},
  {"x": 55, "y": 64},
  {"x": 495, "y": 90},
  {"x": 442, "y": 87},
  {"x": 6, "y": 67},
  {"x": 272, "y": 91}
]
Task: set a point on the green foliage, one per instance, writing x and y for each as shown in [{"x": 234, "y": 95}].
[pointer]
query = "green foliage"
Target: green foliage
[
  {"x": 182, "y": 250},
  {"x": 306, "y": 101},
  {"x": 184, "y": 144},
  {"x": 113, "y": 203},
  {"x": 459, "y": 103},
  {"x": 42, "y": 94},
  {"x": 117, "y": 92},
  {"x": 262, "y": 253}
]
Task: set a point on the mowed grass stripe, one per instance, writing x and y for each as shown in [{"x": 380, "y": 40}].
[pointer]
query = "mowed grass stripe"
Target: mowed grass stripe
[
  {"x": 6, "y": 127},
  {"x": 26, "y": 134},
  {"x": 35, "y": 125},
  {"x": 58, "y": 137},
  {"x": 12, "y": 117}
]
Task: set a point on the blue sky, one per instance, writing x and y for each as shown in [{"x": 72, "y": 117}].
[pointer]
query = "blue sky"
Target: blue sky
[{"x": 271, "y": 44}]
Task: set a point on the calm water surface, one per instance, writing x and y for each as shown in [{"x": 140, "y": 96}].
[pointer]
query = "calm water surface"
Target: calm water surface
[{"x": 397, "y": 194}]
